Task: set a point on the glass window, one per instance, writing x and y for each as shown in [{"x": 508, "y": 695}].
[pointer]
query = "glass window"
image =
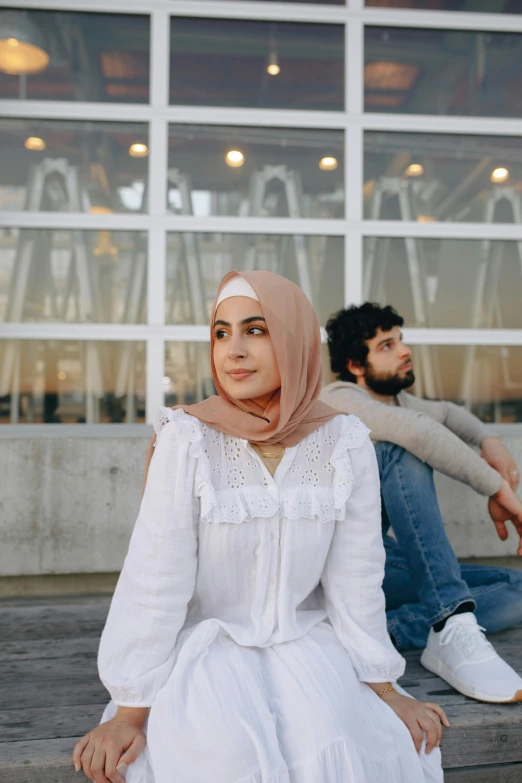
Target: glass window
[
  {"x": 74, "y": 276},
  {"x": 64, "y": 166},
  {"x": 265, "y": 172},
  {"x": 446, "y": 283},
  {"x": 475, "y": 6},
  {"x": 487, "y": 379},
  {"x": 71, "y": 382},
  {"x": 430, "y": 71},
  {"x": 302, "y": 2},
  {"x": 69, "y": 56},
  {"x": 431, "y": 177},
  {"x": 232, "y": 62},
  {"x": 188, "y": 377},
  {"x": 197, "y": 262}
]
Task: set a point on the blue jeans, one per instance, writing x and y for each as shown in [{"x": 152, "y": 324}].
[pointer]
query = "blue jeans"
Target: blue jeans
[{"x": 424, "y": 582}]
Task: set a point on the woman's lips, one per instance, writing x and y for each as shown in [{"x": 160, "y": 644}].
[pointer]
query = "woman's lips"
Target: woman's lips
[{"x": 240, "y": 375}]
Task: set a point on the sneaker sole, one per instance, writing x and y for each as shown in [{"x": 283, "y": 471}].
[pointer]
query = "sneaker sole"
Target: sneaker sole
[{"x": 435, "y": 666}]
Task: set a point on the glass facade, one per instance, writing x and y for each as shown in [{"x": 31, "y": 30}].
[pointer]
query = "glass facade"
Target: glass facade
[
  {"x": 359, "y": 152},
  {"x": 197, "y": 262},
  {"x": 430, "y": 71},
  {"x": 258, "y": 172},
  {"x": 72, "y": 381},
  {"x": 232, "y": 62},
  {"x": 85, "y": 56}
]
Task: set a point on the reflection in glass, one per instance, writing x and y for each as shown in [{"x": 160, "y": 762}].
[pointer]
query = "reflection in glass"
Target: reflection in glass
[
  {"x": 90, "y": 57},
  {"x": 487, "y": 379},
  {"x": 277, "y": 176},
  {"x": 196, "y": 263},
  {"x": 75, "y": 276},
  {"x": 475, "y": 6},
  {"x": 431, "y": 177},
  {"x": 305, "y": 2},
  {"x": 71, "y": 382},
  {"x": 238, "y": 62},
  {"x": 188, "y": 377},
  {"x": 446, "y": 283},
  {"x": 431, "y": 71},
  {"x": 62, "y": 166}
]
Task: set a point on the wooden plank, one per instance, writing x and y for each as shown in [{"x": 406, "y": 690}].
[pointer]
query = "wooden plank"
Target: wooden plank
[
  {"x": 43, "y": 761},
  {"x": 41, "y": 669},
  {"x": 466, "y": 746},
  {"x": 508, "y": 773},
  {"x": 39, "y": 723},
  {"x": 56, "y": 693},
  {"x": 48, "y": 648},
  {"x": 18, "y": 623}
]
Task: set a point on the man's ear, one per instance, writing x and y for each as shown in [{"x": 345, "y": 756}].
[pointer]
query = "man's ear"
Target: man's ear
[{"x": 355, "y": 367}]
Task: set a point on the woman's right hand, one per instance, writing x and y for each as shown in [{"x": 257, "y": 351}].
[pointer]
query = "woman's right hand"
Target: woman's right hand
[{"x": 106, "y": 751}]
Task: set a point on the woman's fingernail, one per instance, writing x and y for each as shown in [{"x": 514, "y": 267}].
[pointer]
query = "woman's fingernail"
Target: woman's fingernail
[
  {"x": 121, "y": 767},
  {"x": 77, "y": 766}
]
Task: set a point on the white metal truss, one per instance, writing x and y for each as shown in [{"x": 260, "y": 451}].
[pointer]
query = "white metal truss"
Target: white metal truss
[{"x": 157, "y": 114}]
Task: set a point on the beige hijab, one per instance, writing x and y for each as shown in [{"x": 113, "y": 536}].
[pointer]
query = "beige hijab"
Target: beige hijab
[{"x": 294, "y": 411}]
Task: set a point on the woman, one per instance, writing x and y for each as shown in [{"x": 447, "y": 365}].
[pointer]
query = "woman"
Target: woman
[{"x": 247, "y": 635}]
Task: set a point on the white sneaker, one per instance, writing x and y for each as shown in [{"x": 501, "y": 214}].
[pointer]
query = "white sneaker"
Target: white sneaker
[{"x": 461, "y": 655}]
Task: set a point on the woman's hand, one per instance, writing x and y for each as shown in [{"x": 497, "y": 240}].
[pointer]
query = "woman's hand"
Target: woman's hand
[
  {"x": 420, "y": 718},
  {"x": 106, "y": 751}
]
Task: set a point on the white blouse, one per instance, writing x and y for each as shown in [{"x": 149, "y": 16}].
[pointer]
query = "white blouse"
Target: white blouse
[{"x": 219, "y": 540}]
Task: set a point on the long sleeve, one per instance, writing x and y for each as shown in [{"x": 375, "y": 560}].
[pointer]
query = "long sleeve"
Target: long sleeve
[
  {"x": 353, "y": 575},
  {"x": 419, "y": 433},
  {"x": 455, "y": 417},
  {"x": 149, "y": 606}
]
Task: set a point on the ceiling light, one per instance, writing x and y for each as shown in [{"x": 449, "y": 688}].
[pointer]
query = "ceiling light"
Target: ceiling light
[
  {"x": 234, "y": 158},
  {"x": 499, "y": 175},
  {"x": 138, "y": 150},
  {"x": 35, "y": 143},
  {"x": 61, "y": 376},
  {"x": 328, "y": 163},
  {"x": 272, "y": 63},
  {"x": 414, "y": 170},
  {"x": 22, "y": 46},
  {"x": 166, "y": 380}
]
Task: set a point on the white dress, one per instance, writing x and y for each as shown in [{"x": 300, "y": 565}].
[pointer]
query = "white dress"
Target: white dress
[{"x": 249, "y": 615}]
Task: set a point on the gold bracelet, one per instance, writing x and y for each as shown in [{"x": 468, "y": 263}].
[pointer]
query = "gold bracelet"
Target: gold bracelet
[{"x": 388, "y": 689}]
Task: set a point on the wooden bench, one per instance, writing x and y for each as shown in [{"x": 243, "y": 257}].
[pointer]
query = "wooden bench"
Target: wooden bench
[{"x": 50, "y": 695}]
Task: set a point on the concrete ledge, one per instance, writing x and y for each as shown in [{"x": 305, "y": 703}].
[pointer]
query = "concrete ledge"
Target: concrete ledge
[{"x": 68, "y": 502}]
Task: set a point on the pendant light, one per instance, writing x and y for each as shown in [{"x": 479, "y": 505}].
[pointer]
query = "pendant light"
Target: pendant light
[{"x": 22, "y": 46}]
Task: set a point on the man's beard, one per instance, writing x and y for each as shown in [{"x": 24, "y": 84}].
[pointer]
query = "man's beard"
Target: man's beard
[{"x": 388, "y": 385}]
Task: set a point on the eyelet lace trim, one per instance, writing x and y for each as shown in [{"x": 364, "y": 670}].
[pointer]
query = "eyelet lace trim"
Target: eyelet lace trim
[
  {"x": 352, "y": 436},
  {"x": 240, "y": 503}
]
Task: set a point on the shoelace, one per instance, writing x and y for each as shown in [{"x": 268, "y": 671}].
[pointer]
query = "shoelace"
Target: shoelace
[{"x": 469, "y": 637}]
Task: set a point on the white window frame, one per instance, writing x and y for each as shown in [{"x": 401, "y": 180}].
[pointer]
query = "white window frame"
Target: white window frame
[{"x": 353, "y": 121}]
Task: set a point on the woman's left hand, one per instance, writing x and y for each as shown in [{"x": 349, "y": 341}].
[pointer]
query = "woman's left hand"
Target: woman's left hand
[{"x": 420, "y": 718}]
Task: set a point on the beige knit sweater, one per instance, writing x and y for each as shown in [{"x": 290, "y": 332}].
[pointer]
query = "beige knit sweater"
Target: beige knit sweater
[{"x": 441, "y": 434}]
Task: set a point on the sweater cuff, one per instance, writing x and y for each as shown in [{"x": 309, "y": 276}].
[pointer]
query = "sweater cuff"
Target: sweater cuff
[{"x": 489, "y": 482}]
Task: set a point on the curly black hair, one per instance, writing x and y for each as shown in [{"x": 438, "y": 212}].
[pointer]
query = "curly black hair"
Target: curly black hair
[{"x": 349, "y": 329}]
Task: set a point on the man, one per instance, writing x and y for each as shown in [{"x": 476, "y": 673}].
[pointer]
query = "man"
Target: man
[{"x": 432, "y": 602}]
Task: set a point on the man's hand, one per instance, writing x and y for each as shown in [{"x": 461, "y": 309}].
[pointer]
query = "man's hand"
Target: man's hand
[
  {"x": 499, "y": 458},
  {"x": 504, "y": 505}
]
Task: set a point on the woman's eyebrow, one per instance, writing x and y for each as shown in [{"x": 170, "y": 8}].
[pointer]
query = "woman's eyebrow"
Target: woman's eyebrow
[{"x": 250, "y": 320}]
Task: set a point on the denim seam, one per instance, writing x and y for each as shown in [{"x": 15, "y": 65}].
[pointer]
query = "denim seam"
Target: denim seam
[
  {"x": 417, "y": 537},
  {"x": 444, "y": 611}
]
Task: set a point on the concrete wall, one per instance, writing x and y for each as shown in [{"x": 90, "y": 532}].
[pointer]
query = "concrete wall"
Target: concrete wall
[{"x": 69, "y": 499}]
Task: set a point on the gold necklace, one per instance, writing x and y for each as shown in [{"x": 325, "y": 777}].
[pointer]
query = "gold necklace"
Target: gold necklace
[{"x": 272, "y": 454}]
